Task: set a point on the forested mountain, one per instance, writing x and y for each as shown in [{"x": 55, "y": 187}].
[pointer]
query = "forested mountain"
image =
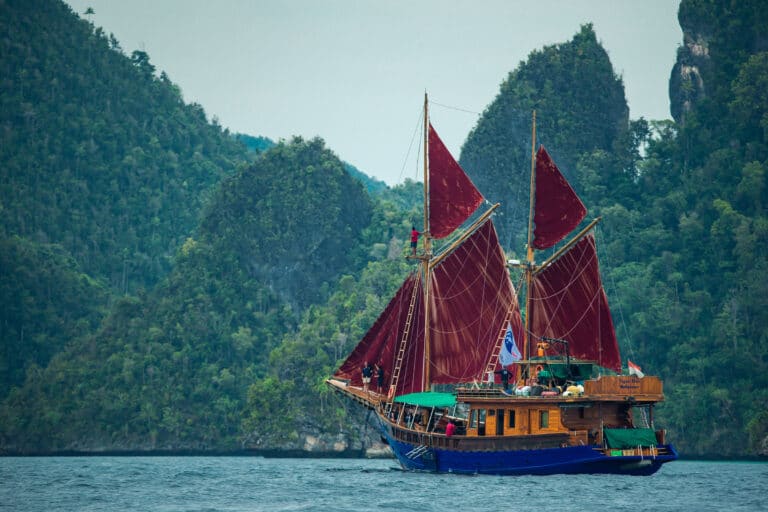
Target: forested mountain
[
  {"x": 103, "y": 174},
  {"x": 169, "y": 369},
  {"x": 241, "y": 249},
  {"x": 46, "y": 302},
  {"x": 99, "y": 154},
  {"x": 580, "y": 107},
  {"x": 166, "y": 285},
  {"x": 704, "y": 234}
]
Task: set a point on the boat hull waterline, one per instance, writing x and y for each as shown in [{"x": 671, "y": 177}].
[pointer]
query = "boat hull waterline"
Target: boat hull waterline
[{"x": 547, "y": 461}]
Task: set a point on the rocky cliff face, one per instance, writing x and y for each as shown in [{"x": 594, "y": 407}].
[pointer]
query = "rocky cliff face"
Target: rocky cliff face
[
  {"x": 686, "y": 85},
  {"x": 718, "y": 37}
]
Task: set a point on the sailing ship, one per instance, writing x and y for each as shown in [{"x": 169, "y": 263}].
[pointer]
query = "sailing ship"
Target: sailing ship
[{"x": 474, "y": 386}]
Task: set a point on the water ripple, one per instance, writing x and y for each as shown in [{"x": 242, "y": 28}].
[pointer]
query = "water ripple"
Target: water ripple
[{"x": 232, "y": 484}]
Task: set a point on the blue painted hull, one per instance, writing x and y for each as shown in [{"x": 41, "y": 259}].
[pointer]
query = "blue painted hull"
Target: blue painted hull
[{"x": 548, "y": 461}]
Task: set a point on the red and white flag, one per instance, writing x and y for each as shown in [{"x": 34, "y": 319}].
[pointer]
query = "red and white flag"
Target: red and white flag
[{"x": 634, "y": 369}]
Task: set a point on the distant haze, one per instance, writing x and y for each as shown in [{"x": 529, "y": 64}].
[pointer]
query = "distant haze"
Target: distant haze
[{"x": 354, "y": 72}]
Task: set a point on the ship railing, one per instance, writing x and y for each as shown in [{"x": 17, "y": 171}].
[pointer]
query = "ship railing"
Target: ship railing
[{"x": 650, "y": 452}]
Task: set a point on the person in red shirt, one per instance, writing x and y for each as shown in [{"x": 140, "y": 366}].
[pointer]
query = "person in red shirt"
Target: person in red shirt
[{"x": 414, "y": 240}]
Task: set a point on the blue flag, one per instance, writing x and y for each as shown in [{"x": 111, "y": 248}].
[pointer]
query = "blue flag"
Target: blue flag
[{"x": 509, "y": 351}]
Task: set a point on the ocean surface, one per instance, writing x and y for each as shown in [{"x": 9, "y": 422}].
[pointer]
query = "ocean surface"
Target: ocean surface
[{"x": 253, "y": 483}]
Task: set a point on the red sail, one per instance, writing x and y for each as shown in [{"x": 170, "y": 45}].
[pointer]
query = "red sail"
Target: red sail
[
  {"x": 558, "y": 210},
  {"x": 382, "y": 341},
  {"x": 452, "y": 196},
  {"x": 568, "y": 302},
  {"x": 470, "y": 296}
]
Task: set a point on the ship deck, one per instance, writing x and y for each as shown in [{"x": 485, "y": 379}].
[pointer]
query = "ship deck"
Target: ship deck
[{"x": 370, "y": 399}]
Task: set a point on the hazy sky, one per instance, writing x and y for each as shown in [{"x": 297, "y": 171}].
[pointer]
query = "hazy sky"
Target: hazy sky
[{"x": 354, "y": 72}]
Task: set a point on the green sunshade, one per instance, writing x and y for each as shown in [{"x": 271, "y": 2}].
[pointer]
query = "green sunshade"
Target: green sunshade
[
  {"x": 428, "y": 399},
  {"x": 624, "y": 438}
]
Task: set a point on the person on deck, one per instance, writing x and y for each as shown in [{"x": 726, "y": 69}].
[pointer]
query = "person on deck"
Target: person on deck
[
  {"x": 450, "y": 428},
  {"x": 367, "y": 372},
  {"x": 504, "y": 377},
  {"x": 414, "y": 240},
  {"x": 379, "y": 377}
]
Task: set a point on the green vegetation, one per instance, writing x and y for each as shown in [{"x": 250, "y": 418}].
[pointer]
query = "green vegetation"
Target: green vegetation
[
  {"x": 98, "y": 153},
  {"x": 580, "y": 108},
  {"x": 167, "y": 285}
]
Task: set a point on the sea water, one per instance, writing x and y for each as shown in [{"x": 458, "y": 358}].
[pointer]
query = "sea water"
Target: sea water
[{"x": 32, "y": 484}]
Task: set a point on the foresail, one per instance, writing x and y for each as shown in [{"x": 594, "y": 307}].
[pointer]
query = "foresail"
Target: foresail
[
  {"x": 470, "y": 296},
  {"x": 557, "y": 208},
  {"x": 452, "y": 196},
  {"x": 568, "y": 302},
  {"x": 382, "y": 341}
]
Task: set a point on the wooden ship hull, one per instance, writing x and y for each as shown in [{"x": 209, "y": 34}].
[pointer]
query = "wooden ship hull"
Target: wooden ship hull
[{"x": 500, "y": 433}]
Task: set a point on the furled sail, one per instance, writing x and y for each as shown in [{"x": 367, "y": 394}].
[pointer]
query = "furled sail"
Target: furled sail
[
  {"x": 452, "y": 196},
  {"x": 558, "y": 210},
  {"x": 567, "y": 301}
]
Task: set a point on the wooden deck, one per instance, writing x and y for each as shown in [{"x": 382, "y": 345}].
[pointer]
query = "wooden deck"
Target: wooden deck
[{"x": 370, "y": 399}]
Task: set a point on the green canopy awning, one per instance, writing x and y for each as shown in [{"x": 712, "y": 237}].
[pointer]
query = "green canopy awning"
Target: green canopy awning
[
  {"x": 428, "y": 399},
  {"x": 623, "y": 438}
]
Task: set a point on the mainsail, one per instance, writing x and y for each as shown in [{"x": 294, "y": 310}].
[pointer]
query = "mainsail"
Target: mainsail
[
  {"x": 470, "y": 296},
  {"x": 443, "y": 324},
  {"x": 567, "y": 301}
]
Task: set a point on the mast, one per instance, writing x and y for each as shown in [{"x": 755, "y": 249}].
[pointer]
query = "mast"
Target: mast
[
  {"x": 427, "y": 248},
  {"x": 530, "y": 256}
]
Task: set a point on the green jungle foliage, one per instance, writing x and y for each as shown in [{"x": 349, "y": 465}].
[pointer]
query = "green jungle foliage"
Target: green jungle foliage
[
  {"x": 99, "y": 154},
  {"x": 580, "y": 107},
  {"x": 703, "y": 236},
  {"x": 292, "y": 219},
  {"x": 160, "y": 293},
  {"x": 46, "y": 302},
  {"x": 255, "y": 144},
  {"x": 260, "y": 144},
  {"x": 327, "y": 334},
  {"x": 170, "y": 369}
]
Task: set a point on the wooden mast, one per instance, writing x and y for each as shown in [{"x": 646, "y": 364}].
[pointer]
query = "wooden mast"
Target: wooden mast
[
  {"x": 427, "y": 249},
  {"x": 530, "y": 256}
]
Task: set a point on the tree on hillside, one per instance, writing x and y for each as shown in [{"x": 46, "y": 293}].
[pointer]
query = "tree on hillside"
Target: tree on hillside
[{"x": 580, "y": 107}]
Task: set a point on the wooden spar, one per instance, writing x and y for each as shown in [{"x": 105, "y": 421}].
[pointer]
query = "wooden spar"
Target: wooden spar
[
  {"x": 530, "y": 255},
  {"x": 567, "y": 246},
  {"x": 434, "y": 262},
  {"x": 427, "y": 249}
]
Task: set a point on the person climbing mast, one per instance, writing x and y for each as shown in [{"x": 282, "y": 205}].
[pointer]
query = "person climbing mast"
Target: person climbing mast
[{"x": 414, "y": 240}]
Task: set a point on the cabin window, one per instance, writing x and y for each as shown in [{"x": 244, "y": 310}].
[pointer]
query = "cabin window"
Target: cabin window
[
  {"x": 473, "y": 419},
  {"x": 544, "y": 419},
  {"x": 581, "y": 412},
  {"x": 511, "y": 420}
]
